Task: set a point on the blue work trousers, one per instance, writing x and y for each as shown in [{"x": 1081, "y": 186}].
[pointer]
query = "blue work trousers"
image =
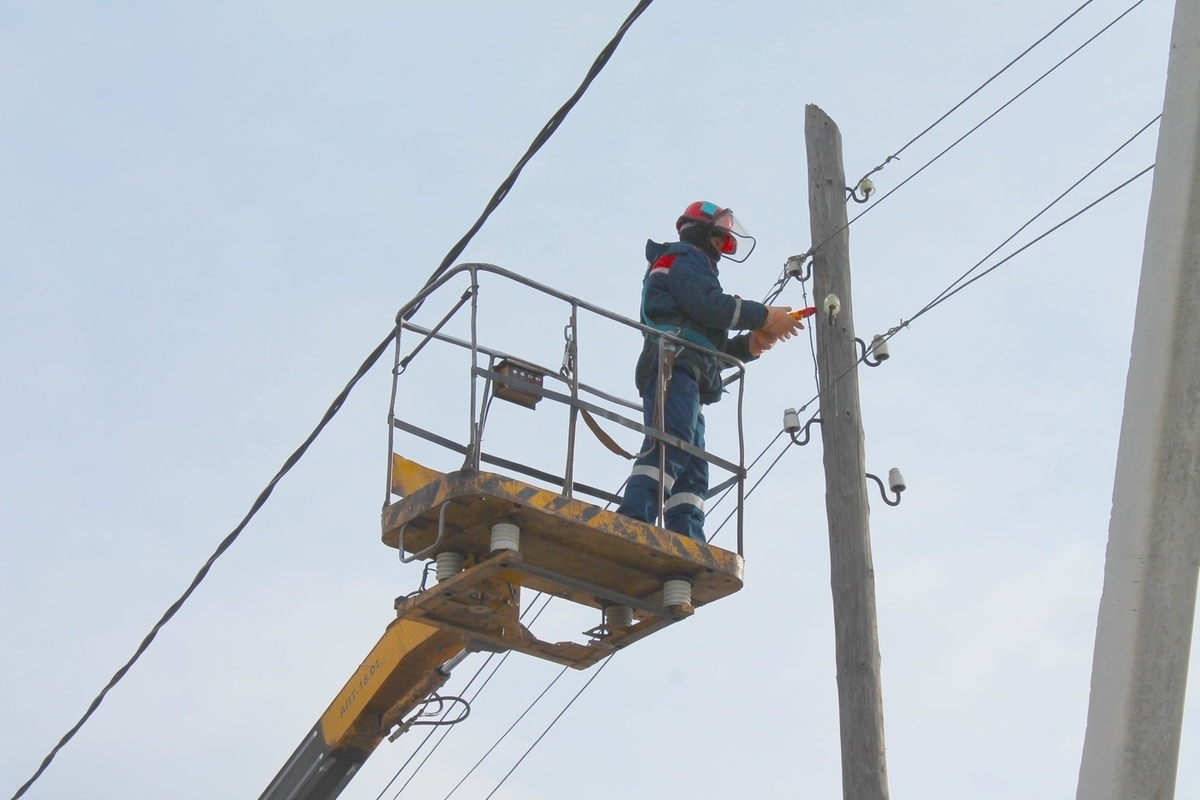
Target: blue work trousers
[{"x": 686, "y": 478}]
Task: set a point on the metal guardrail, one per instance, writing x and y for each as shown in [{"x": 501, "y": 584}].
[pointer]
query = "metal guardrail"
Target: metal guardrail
[{"x": 572, "y": 397}]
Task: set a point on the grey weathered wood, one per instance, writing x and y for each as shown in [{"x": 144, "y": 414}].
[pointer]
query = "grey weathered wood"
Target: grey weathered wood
[
  {"x": 1147, "y": 609},
  {"x": 860, "y": 696}
]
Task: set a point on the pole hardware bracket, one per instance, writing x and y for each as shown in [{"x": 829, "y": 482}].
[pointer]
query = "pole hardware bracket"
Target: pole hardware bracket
[
  {"x": 431, "y": 707},
  {"x": 862, "y": 192},
  {"x": 791, "y": 426},
  {"x": 895, "y": 483},
  {"x": 878, "y": 346},
  {"x": 832, "y": 305},
  {"x": 794, "y": 268}
]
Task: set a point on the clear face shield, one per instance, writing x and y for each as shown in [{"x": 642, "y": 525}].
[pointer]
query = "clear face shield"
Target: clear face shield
[{"x": 735, "y": 237}]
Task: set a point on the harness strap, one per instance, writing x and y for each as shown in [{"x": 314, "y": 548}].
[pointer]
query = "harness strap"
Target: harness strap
[{"x": 605, "y": 439}]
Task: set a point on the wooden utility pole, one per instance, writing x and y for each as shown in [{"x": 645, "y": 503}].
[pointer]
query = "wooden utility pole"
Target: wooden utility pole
[
  {"x": 1147, "y": 609},
  {"x": 860, "y": 694}
]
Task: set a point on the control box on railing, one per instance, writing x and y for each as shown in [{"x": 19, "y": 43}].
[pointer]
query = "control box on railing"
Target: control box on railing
[{"x": 519, "y": 373}]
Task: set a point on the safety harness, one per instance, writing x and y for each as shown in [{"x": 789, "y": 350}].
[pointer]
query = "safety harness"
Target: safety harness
[{"x": 666, "y": 366}]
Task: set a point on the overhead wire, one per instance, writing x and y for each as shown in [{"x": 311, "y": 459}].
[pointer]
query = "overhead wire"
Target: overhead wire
[
  {"x": 431, "y": 731},
  {"x": 478, "y": 692},
  {"x": 944, "y": 296},
  {"x": 553, "y": 722},
  {"x": 904, "y": 324},
  {"x": 959, "y": 284},
  {"x": 453, "y": 254},
  {"x": 505, "y": 187},
  {"x": 504, "y": 735},
  {"x": 788, "y": 445},
  {"x": 951, "y": 290},
  {"x": 896, "y": 155},
  {"x": 1026, "y": 246},
  {"x": 542, "y": 137},
  {"x": 955, "y": 287},
  {"x": 985, "y": 120},
  {"x": 786, "y": 275}
]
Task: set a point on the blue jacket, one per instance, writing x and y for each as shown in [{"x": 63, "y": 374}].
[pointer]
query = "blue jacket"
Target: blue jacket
[{"x": 682, "y": 290}]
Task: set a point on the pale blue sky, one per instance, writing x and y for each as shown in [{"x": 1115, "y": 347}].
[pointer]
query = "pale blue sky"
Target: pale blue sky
[{"x": 211, "y": 212}]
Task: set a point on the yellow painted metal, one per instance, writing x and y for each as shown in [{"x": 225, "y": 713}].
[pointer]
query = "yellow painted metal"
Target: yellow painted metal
[
  {"x": 567, "y": 548},
  {"x": 408, "y": 476},
  {"x": 398, "y": 667},
  {"x": 564, "y": 535}
]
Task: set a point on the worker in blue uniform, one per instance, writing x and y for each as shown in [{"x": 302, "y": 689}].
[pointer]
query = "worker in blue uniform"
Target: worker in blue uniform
[{"x": 681, "y": 294}]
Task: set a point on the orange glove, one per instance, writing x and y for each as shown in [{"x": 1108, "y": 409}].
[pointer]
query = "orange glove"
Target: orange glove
[
  {"x": 761, "y": 342},
  {"x": 780, "y": 323}
]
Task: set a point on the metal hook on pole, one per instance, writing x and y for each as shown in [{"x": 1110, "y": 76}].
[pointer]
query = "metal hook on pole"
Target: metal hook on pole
[
  {"x": 895, "y": 483},
  {"x": 865, "y": 186},
  {"x": 878, "y": 346},
  {"x": 791, "y": 426}
]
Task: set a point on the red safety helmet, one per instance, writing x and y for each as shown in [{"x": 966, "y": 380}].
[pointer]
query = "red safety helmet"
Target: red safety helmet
[{"x": 722, "y": 222}]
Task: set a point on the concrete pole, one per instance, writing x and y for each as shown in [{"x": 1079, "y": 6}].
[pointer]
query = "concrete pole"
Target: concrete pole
[
  {"x": 1143, "y": 636},
  {"x": 860, "y": 694}
]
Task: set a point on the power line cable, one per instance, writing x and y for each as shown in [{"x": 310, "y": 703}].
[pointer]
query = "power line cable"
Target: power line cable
[
  {"x": 766, "y": 472},
  {"x": 429, "y": 735},
  {"x": 986, "y": 119},
  {"x": 786, "y": 275},
  {"x": 895, "y": 156},
  {"x": 945, "y": 295},
  {"x": 553, "y": 722},
  {"x": 904, "y": 323},
  {"x": 951, "y": 288},
  {"x": 1026, "y": 246},
  {"x": 542, "y": 137},
  {"x": 961, "y": 283},
  {"x": 478, "y": 692},
  {"x": 224, "y": 545},
  {"x": 446, "y": 731},
  {"x": 504, "y": 735}
]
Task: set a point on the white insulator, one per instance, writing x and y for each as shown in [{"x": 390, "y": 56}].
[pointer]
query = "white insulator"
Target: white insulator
[
  {"x": 879, "y": 348},
  {"x": 505, "y": 536},
  {"x": 449, "y": 564},
  {"x": 896, "y": 480},
  {"x": 795, "y": 266},
  {"x": 832, "y": 305},
  {"x": 677, "y": 592},
  {"x": 791, "y": 421},
  {"x": 867, "y": 187},
  {"x": 618, "y": 616}
]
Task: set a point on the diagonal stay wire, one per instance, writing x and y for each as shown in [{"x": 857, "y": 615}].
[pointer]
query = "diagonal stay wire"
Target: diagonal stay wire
[
  {"x": 786, "y": 276},
  {"x": 979, "y": 125},
  {"x": 446, "y": 732},
  {"x": 504, "y": 735},
  {"x": 766, "y": 472},
  {"x": 961, "y": 283},
  {"x": 542, "y": 137},
  {"x": 600, "y": 669},
  {"x": 904, "y": 323},
  {"x": 946, "y": 295},
  {"x": 896, "y": 155},
  {"x": 431, "y": 731},
  {"x": 554, "y": 721},
  {"x": 951, "y": 288},
  {"x": 221, "y": 548},
  {"x": 1025, "y": 247},
  {"x": 779, "y": 457}
]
